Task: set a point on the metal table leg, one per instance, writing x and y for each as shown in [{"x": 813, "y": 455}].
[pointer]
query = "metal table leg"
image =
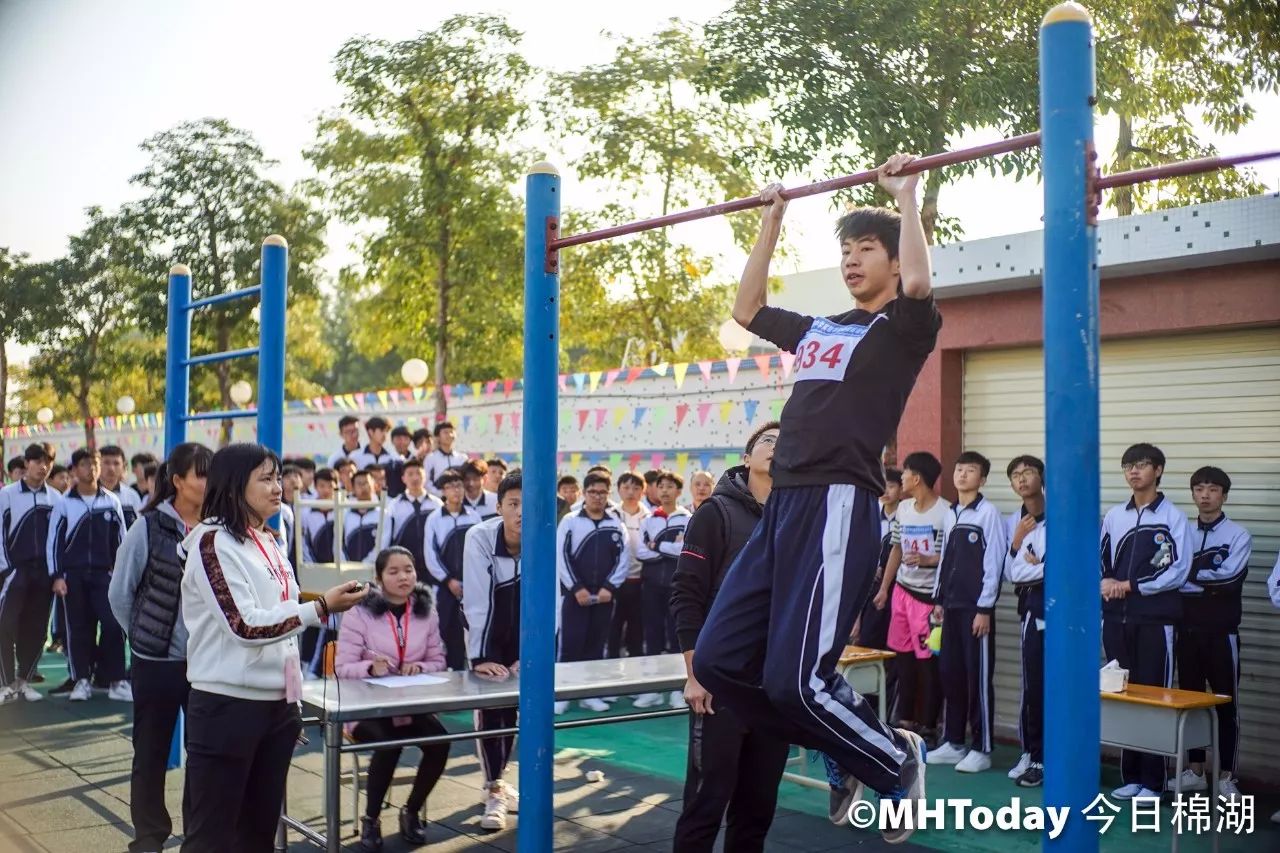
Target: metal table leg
[
  {"x": 282, "y": 837},
  {"x": 1215, "y": 767},
  {"x": 332, "y": 785}
]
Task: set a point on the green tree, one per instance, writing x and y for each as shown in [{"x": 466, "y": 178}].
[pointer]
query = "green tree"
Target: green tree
[
  {"x": 21, "y": 315},
  {"x": 421, "y": 146},
  {"x": 662, "y": 142},
  {"x": 209, "y": 203}
]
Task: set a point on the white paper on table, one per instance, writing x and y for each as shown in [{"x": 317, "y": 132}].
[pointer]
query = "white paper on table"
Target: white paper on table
[{"x": 406, "y": 680}]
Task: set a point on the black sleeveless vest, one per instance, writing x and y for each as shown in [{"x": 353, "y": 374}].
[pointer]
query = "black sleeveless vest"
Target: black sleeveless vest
[{"x": 159, "y": 596}]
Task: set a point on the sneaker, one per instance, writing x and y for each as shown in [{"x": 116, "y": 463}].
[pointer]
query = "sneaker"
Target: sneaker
[
  {"x": 1229, "y": 788},
  {"x": 948, "y": 753},
  {"x": 513, "y": 797},
  {"x": 370, "y": 834},
  {"x": 1127, "y": 792},
  {"x": 677, "y": 699},
  {"x": 648, "y": 700},
  {"x": 609, "y": 699},
  {"x": 495, "y": 810},
  {"x": 1147, "y": 794},
  {"x": 7, "y": 695},
  {"x": 65, "y": 687},
  {"x": 560, "y": 707},
  {"x": 596, "y": 705},
  {"x": 1275, "y": 817},
  {"x": 1032, "y": 777},
  {"x": 910, "y": 785},
  {"x": 22, "y": 689},
  {"x": 37, "y": 678},
  {"x": 412, "y": 829},
  {"x": 121, "y": 691},
  {"x": 1190, "y": 781},
  {"x": 82, "y": 691},
  {"x": 974, "y": 762},
  {"x": 1021, "y": 767},
  {"x": 842, "y": 800}
]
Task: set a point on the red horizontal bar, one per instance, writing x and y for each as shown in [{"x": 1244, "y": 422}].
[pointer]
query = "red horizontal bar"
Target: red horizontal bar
[
  {"x": 923, "y": 164},
  {"x": 1186, "y": 167}
]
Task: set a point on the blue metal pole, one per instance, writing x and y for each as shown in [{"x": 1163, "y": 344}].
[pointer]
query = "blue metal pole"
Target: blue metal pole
[
  {"x": 1070, "y": 284},
  {"x": 538, "y": 598},
  {"x": 271, "y": 326},
  {"x": 176, "y": 373}
]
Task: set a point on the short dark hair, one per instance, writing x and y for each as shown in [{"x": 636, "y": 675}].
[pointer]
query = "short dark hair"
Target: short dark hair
[
  {"x": 447, "y": 476},
  {"x": 326, "y": 474},
  {"x": 925, "y": 465},
  {"x": 58, "y": 469},
  {"x": 671, "y": 476},
  {"x": 347, "y": 420},
  {"x": 594, "y": 477},
  {"x": 474, "y": 468},
  {"x": 140, "y": 459},
  {"x": 343, "y": 463},
  {"x": 1209, "y": 475},
  {"x": 306, "y": 463},
  {"x": 363, "y": 472},
  {"x": 893, "y": 475},
  {"x": 605, "y": 468},
  {"x": 1144, "y": 451},
  {"x": 415, "y": 462},
  {"x": 496, "y": 462},
  {"x": 401, "y": 430},
  {"x": 112, "y": 450},
  {"x": 377, "y": 422},
  {"x": 442, "y": 426},
  {"x": 755, "y": 436},
  {"x": 290, "y": 469},
  {"x": 80, "y": 455},
  {"x": 421, "y": 433},
  {"x": 651, "y": 476},
  {"x": 229, "y": 473},
  {"x": 566, "y": 480},
  {"x": 1025, "y": 459},
  {"x": 973, "y": 457},
  {"x": 149, "y": 469},
  {"x": 631, "y": 477},
  {"x": 385, "y": 555},
  {"x": 511, "y": 482},
  {"x": 878, "y": 223},
  {"x": 39, "y": 450},
  {"x": 375, "y": 467},
  {"x": 185, "y": 458},
  {"x": 16, "y": 462}
]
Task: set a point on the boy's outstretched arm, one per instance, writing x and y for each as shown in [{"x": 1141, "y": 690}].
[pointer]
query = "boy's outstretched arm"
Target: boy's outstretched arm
[
  {"x": 913, "y": 248},
  {"x": 753, "y": 289}
]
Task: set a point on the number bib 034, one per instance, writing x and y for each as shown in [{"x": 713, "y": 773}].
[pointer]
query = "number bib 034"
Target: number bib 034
[{"x": 826, "y": 349}]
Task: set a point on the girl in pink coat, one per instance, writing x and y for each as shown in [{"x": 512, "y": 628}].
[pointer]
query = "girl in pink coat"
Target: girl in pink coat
[{"x": 394, "y": 631}]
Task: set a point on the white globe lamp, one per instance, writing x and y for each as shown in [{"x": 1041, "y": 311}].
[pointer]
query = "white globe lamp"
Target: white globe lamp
[
  {"x": 415, "y": 372},
  {"x": 241, "y": 393},
  {"x": 44, "y": 415},
  {"x": 733, "y": 337},
  {"x": 125, "y": 405}
]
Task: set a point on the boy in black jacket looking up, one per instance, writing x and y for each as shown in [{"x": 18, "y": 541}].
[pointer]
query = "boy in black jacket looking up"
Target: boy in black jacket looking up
[{"x": 730, "y": 766}]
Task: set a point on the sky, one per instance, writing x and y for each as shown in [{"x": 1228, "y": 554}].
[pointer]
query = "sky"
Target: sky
[{"x": 83, "y": 82}]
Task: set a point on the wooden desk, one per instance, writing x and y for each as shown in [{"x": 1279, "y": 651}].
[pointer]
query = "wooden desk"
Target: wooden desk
[{"x": 1166, "y": 722}]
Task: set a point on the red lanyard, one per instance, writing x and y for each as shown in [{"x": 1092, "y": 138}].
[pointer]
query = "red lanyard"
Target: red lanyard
[
  {"x": 401, "y": 627},
  {"x": 277, "y": 571}
]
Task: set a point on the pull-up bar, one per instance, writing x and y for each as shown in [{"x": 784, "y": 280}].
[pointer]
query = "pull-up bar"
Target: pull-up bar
[{"x": 1184, "y": 167}]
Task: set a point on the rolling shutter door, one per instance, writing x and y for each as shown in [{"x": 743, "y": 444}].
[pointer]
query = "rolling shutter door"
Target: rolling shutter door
[{"x": 1204, "y": 399}]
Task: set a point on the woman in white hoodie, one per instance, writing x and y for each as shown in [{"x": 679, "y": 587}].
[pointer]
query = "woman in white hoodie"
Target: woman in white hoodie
[{"x": 240, "y": 605}]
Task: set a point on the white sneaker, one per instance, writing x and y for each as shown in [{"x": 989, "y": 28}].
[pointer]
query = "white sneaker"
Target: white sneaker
[
  {"x": 495, "y": 811},
  {"x": 1191, "y": 781},
  {"x": 948, "y": 753},
  {"x": 648, "y": 700},
  {"x": 1275, "y": 817},
  {"x": 1021, "y": 767},
  {"x": 974, "y": 762},
  {"x": 1147, "y": 794},
  {"x": 677, "y": 699},
  {"x": 1127, "y": 792},
  {"x": 1229, "y": 788},
  {"x": 121, "y": 691},
  {"x": 914, "y": 771},
  {"x": 560, "y": 708},
  {"x": 609, "y": 699},
  {"x": 596, "y": 705},
  {"x": 7, "y": 695},
  {"x": 22, "y": 689},
  {"x": 82, "y": 692},
  {"x": 513, "y": 797}
]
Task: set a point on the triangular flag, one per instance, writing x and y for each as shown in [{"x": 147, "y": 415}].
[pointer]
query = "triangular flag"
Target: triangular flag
[
  {"x": 575, "y": 459},
  {"x": 680, "y": 369},
  {"x": 383, "y": 398},
  {"x": 788, "y": 360},
  {"x": 633, "y": 374},
  {"x": 515, "y": 421},
  {"x": 615, "y": 461},
  {"x": 682, "y": 461},
  {"x": 656, "y": 460},
  {"x": 417, "y": 394},
  {"x": 448, "y": 391},
  {"x": 762, "y": 363},
  {"x": 704, "y": 367},
  {"x": 732, "y": 365},
  {"x": 583, "y": 414},
  {"x": 635, "y": 461},
  {"x": 497, "y": 422},
  {"x": 466, "y": 422},
  {"x": 579, "y": 381},
  {"x": 660, "y": 414},
  {"x": 564, "y": 383},
  {"x": 775, "y": 409},
  {"x": 660, "y": 368},
  {"x": 475, "y": 389},
  {"x": 594, "y": 380},
  {"x": 704, "y": 461},
  {"x": 703, "y": 409},
  {"x": 749, "y": 407},
  {"x": 682, "y": 411},
  {"x": 639, "y": 415},
  {"x": 725, "y": 409},
  {"x": 490, "y": 386},
  {"x": 601, "y": 414},
  {"x": 560, "y": 460},
  {"x": 730, "y": 459},
  {"x": 507, "y": 385},
  {"x": 619, "y": 413},
  {"x": 610, "y": 376}
]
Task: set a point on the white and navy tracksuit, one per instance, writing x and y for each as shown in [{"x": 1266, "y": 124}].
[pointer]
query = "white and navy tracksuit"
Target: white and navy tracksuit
[
  {"x": 1025, "y": 570},
  {"x": 968, "y": 584},
  {"x": 1151, "y": 548},
  {"x": 84, "y": 535},
  {"x": 1207, "y": 639},
  {"x": 130, "y": 502},
  {"x": 773, "y": 637},
  {"x": 591, "y": 554},
  {"x": 25, "y": 589},
  {"x": 486, "y": 506},
  {"x": 446, "y": 538},
  {"x": 405, "y": 525},
  {"x": 367, "y": 456},
  {"x": 491, "y": 580},
  {"x": 661, "y": 540},
  {"x": 317, "y": 535},
  {"x": 343, "y": 453},
  {"x": 360, "y": 534},
  {"x": 437, "y": 462}
]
